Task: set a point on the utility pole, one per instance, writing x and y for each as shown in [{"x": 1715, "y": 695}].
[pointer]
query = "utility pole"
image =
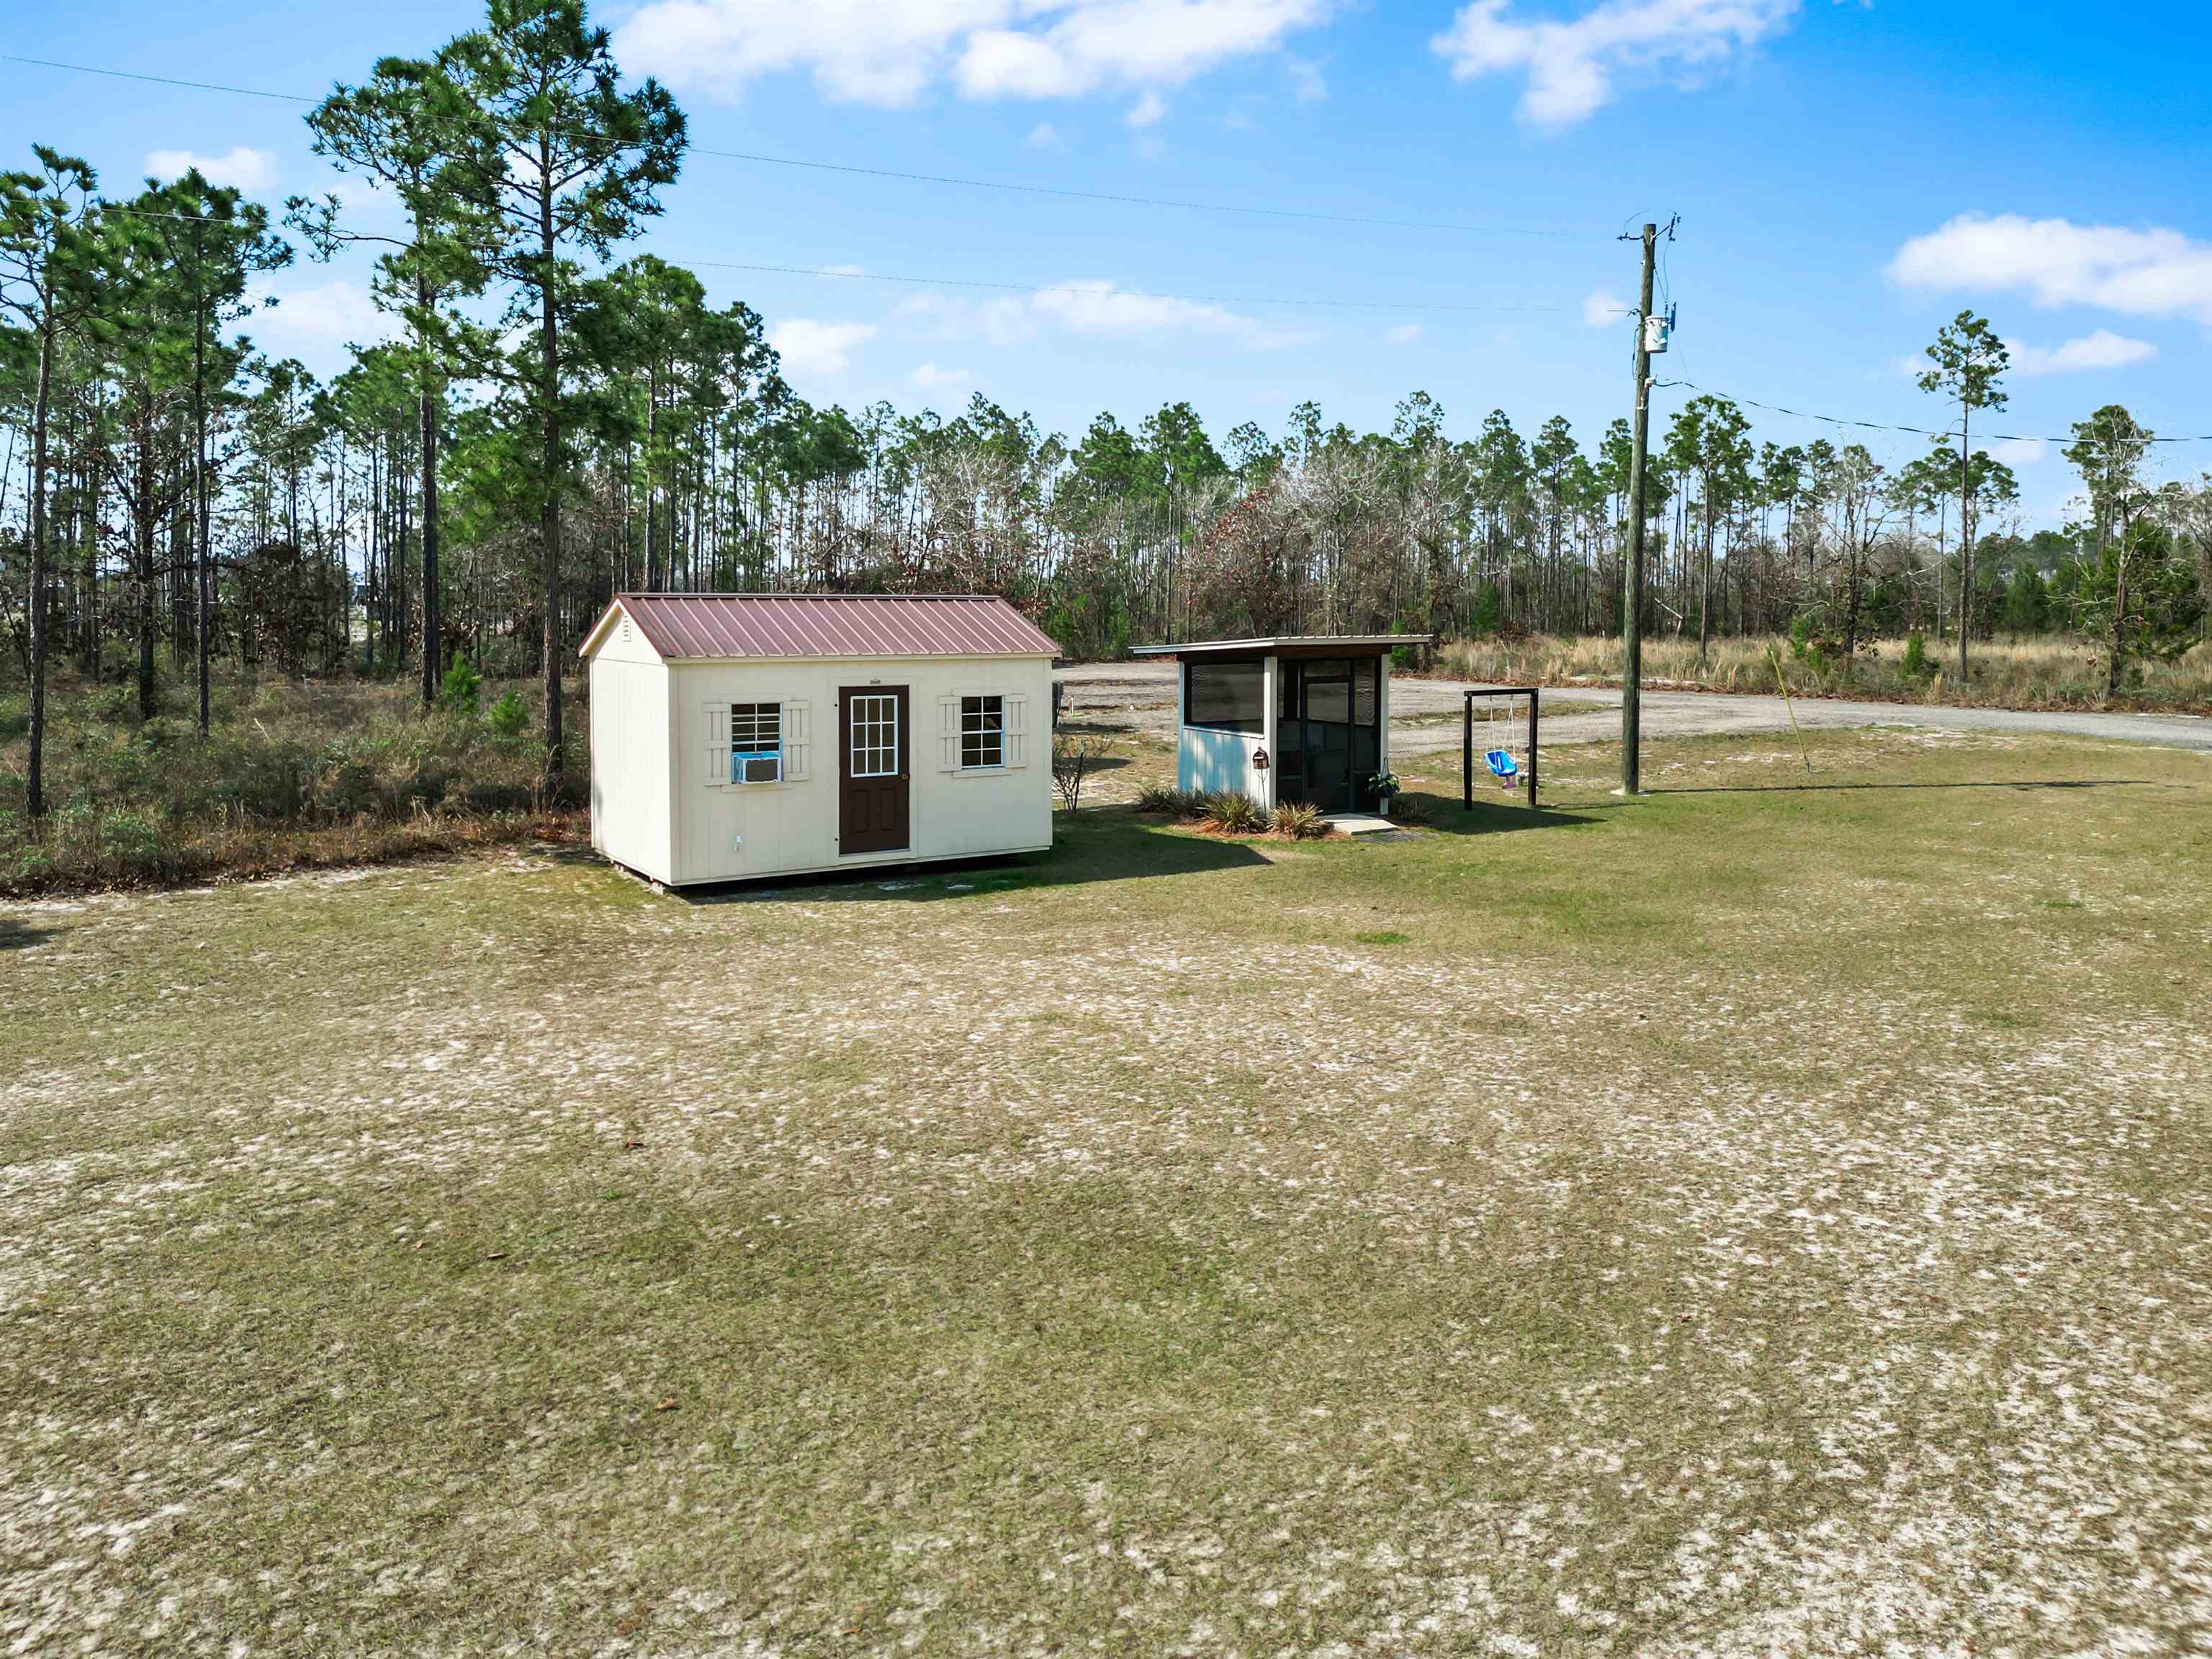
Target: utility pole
[{"x": 1632, "y": 603}]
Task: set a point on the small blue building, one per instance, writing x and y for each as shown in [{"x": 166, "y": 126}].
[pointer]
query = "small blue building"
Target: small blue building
[{"x": 1293, "y": 718}]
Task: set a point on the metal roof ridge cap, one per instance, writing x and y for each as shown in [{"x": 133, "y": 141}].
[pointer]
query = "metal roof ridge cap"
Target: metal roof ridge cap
[{"x": 802, "y": 593}]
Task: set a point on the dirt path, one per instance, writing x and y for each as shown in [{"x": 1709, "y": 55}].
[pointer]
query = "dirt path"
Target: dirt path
[{"x": 1425, "y": 712}]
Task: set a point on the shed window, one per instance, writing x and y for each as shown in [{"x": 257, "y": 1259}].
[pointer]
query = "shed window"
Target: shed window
[
  {"x": 1228, "y": 697},
  {"x": 756, "y": 743},
  {"x": 982, "y": 733}
]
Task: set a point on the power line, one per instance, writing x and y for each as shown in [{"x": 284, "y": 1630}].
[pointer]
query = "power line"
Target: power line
[
  {"x": 1107, "y": 291},
  {"x": 1154, "y": 201},
  {"x": 1110, "y": 292},
  {"x": 1248, "y": 209},
  {"x": 160, "y": 80},
  {"x": 1916, "y": 431}
]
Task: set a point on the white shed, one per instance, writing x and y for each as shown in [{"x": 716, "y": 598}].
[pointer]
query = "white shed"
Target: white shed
[{"x": 769, "y": 735}]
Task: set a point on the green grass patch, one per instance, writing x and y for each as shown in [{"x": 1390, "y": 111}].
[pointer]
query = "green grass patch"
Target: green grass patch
[{"x": 1764, "y": 1216}]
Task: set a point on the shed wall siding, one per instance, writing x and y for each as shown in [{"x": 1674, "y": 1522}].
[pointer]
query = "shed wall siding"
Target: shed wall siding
[
  {"x": 1211, "y": 760},
  {"x": 629, "y": 763},
  {"x": 615, "y": 648},
  {"x": 727, "y": 832}
]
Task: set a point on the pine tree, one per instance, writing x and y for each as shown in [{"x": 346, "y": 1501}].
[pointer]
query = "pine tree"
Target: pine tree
[
  {"x": 52, "y": 252},
  {"x": 568, "y": 162},
  {"x": 406, "y": 127}
]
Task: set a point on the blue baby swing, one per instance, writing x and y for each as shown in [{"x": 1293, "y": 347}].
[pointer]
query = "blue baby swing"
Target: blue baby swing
[
  {"x": 1502, "y": 765},
  {"x": 1509, "y": 748}
]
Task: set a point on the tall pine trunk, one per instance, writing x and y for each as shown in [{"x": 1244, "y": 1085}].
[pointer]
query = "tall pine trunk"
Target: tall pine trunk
[
  {"x": 203, "y": 626},
  {"x": 550, "y": 521},
  {"x": 142, "y": 550},
  {"x": 35, "y": 796},
  {"x": 432, "y": 663},
  {"x": 1966, "y": 536}
]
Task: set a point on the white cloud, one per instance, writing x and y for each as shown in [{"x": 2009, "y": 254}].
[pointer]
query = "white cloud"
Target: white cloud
[
  {"x": 2103, "y": 349},
  {"x": 2017, "y": 453},
  {"x": 2139, "y": 273},
  {"x": 1093, "y": 307},
  {"x": 240, "y": 166},
  {"x": 1044, "y": 136},
  {"x": 335, "y": 312},
  {"x": 1147, "y": 111},
  {"x": 1603, "y": 310},
  {"x": 1570, "y": 64},
  {"x": 808, "y": 346},
  {"x": 1306, "y": 85},
  {"x": 1404, "y": 334},
  {"x": 890, "y": 52},
  {"x": 927, "y": 376},
  {"x": 1097, "y": 306},
  {"x": 1087, "y": 307}
]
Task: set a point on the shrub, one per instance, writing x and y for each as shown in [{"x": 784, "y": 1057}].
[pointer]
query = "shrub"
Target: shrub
[
  {"x": 130, "y": 839},
  {"x": 1804, "y": 643},
  {"x": 349, "y": 789},
  {"x": 1073, "y": 759},
  {"x": 1230, "y": 813},
  {"x": 1917, "y": 665},
  {"x": 508, "y": 718},
  {"x": 457, "y": 694},
  {"x": 504, "y": 798},
  {"x": 1299, "y": 820},
  {"x": 1166, "y": 798}
]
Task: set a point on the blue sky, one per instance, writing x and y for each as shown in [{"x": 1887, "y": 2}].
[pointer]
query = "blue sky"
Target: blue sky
[{"x": 1848, "y": 176}]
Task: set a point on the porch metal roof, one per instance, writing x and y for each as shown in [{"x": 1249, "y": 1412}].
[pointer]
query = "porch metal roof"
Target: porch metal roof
[
  {"x": 725, "y": 626},
  {"x": 1282, "y": 642}
]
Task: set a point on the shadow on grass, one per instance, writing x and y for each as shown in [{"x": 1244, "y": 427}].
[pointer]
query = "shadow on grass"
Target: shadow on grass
[
  {"x": 1826, "y": 788},
  {"x": 20, "y": 935},
  {"x": 1446, "y": 816},
  {"x": 1106, "y": 843}
]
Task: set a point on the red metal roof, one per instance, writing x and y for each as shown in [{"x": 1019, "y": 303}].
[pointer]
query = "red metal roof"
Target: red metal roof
[{"x": 737, "y": 625}]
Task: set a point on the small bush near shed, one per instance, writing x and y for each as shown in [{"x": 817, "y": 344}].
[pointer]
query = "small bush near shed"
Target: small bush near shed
[
  {"x": 1166, "y": 798},
  {"x": 1228, "y": 813}
]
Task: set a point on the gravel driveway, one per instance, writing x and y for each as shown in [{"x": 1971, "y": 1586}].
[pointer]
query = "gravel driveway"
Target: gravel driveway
[{"x": 1425, "y": 712}]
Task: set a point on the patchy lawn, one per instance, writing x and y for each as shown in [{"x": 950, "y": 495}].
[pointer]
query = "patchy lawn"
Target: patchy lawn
[{"x": 1727, "y": 1222}]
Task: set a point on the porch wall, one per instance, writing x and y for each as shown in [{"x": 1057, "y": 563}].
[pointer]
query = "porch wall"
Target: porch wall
[{"x": 1211, "y": 760}]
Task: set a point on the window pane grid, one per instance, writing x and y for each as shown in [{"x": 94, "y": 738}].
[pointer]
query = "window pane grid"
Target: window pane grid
[
  {"x": 756, "y": 742},
  {"x": 983, "y": 732},
  {"x": 872, "y": 736}
]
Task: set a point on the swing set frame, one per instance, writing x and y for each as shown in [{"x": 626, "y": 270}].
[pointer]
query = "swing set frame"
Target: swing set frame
[{"x": 1466, "y": 738}]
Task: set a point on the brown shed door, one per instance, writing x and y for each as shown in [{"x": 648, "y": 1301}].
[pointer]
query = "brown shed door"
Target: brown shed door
[{"x": 873, "y": 772}]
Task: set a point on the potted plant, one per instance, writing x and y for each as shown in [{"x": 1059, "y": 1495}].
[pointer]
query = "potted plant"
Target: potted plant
[{"x": 1385, "y": 788}]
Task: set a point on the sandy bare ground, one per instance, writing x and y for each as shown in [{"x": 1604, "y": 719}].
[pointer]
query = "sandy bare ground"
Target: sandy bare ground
[
  {"x": 1425, "y": 712},
  {"x": 1765, "y": 1219}
]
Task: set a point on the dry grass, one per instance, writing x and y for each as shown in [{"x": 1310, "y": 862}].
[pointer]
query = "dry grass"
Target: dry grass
[
  {"x": 2046, "y": 672},
  {"x": 292, "y": 776},
  {"x": 1726, "y": 1224}
]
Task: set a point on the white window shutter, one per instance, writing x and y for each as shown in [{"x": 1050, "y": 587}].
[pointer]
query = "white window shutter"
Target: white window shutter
[
  {"x": 718, "y": 744},
  {"x": 797, "y": 741},
  {"x": 1017, "y": 731},
  {"x": 948, "y": 734}
]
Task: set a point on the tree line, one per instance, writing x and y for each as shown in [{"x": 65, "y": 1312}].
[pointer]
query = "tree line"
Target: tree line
[{"x": 553, "y": 423}]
